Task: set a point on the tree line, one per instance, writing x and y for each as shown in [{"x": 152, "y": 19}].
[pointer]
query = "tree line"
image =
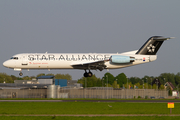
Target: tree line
[
  {"x": 121, "y": 81},
  {"x": 10, "y": 78},
  {"x": 108, "y": 80}
]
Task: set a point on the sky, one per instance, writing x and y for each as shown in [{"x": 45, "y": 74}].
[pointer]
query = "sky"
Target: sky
[{"x": 90, "y": 26}]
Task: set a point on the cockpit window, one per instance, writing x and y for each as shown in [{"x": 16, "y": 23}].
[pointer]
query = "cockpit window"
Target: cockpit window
[{"x": 15, "y": 58}]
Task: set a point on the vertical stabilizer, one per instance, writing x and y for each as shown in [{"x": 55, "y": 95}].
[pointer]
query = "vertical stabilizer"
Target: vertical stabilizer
[{"x": 152, "y": 45}]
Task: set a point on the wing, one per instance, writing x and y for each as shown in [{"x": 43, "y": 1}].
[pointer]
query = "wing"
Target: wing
[{"x": 96, "y": 65}]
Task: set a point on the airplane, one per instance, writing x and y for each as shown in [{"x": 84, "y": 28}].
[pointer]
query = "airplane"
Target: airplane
[{"x": 84, "y": 61}]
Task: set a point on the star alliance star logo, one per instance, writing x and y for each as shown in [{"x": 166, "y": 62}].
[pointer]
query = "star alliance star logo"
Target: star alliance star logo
[{"x": 151, "y": 48}]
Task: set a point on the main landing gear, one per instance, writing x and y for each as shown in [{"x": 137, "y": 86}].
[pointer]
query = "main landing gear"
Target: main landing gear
[
  {"x": 20, "y": 74},
  {"x": 88, "y": 74}
]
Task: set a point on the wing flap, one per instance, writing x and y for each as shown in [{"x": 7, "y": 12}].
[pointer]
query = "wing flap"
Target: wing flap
[{"x": 92, "y": 65}]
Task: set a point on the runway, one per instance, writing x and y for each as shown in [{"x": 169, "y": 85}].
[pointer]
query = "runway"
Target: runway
[{"x": 130, "y": 101}]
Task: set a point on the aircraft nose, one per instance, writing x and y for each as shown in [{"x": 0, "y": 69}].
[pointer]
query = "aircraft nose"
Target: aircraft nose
[{"x": 5, "y": 64}]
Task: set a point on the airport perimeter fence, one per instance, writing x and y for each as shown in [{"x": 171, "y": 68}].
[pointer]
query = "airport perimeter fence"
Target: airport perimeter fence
[
  {"x": 108, "y": 93},
  {"x": 95, "y": 92},
  {"x": 23, "y": 93}
]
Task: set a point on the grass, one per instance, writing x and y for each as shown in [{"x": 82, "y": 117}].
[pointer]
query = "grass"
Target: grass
[
  {"x": 53, "y": 108},
  {"x": 89, "y": 118},
  {"x": 85, "y": 108}
]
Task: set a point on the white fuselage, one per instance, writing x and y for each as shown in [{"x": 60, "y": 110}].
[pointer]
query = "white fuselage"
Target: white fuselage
[{"x": 67, "y": 60}]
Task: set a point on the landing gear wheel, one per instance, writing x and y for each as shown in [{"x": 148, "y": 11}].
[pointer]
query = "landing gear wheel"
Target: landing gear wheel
[
  {"x": 88, "y": 74},
  {"x": 20, "y": 74}
]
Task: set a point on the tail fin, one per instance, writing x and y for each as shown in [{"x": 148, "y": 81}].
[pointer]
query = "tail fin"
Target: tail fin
[{"x": 152, "y": 45}]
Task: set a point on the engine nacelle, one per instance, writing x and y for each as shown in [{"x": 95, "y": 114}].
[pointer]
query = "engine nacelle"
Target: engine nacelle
[{"x": 120, "y": 59}]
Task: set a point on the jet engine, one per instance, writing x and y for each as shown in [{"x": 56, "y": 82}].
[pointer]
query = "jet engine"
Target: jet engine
[{"x": 120, "y": 59}]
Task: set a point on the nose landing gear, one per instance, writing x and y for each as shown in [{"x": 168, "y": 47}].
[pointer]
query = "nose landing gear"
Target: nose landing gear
[
  {"x": 88, "y": 74},
  {"x": 20, "y": 74}
]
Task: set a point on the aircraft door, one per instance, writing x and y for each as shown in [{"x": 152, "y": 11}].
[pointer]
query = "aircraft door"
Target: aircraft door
[{"x": 24, "y": 60}]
